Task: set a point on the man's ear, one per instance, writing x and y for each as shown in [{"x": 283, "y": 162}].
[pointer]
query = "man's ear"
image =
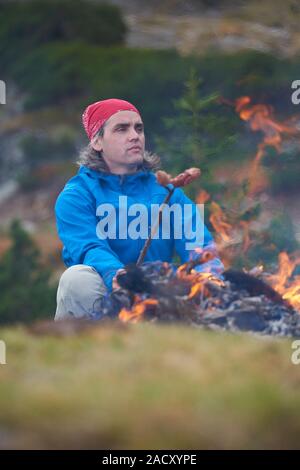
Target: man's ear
[{"x": 96, "y": 143}]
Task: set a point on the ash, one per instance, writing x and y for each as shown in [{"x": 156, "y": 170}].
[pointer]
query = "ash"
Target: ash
[{"x": 240, "y": 303}]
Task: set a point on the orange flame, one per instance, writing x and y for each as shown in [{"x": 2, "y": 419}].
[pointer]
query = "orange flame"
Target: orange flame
[
  {"x": 218, "y": 220},
  {"x": 229, "y": 234},
  {"x": 136, "y": 313},
  {"x": 260, "y": 118},
  {"x": 202, "y": 197},
  {"x": 289, "y": 289},
  {"x": 246, "y": 236},
  {"x": 182, "y": 270},
  {"x": 199, "y": 287}
]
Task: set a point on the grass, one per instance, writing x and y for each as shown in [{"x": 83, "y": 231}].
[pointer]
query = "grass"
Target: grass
[{"x": 148, "y": 386}]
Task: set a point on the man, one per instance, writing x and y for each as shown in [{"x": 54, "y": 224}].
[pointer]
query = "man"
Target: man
[{"x": 116, "y": 177}]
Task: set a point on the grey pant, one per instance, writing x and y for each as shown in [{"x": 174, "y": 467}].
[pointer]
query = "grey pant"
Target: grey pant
[{"x": 79, "y": 293}]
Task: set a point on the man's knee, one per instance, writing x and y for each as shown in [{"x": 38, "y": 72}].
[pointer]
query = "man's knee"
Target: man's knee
[
  {"x": 79, "y": 292},
  {"x": 78, "y": 276}
]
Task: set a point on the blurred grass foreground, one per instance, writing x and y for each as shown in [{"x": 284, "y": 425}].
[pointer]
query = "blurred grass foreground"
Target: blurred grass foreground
[{"x": 147, "y": 386}]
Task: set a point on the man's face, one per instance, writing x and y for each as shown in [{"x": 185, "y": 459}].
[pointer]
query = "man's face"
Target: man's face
[{"x": 123, "y": 142}]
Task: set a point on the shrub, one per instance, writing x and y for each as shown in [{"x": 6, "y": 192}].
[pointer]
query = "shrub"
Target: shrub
[
  {"x": 27, "y": 25},
  {"x": 284, "y": 169},
  {"x": 42, "y": 158},
  {"x": 26, "y": 294},
  {"x": 150, "y": 79}
]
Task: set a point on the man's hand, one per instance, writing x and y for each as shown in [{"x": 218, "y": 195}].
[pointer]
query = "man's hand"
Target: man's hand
[{"x": 115, "y": 284}]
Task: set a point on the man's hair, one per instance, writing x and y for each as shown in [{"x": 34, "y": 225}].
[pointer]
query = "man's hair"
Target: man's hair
[{"x": 93, "y": 159}]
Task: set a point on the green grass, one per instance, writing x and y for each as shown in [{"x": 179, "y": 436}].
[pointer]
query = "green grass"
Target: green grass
[{"x": 148, "y": 386}]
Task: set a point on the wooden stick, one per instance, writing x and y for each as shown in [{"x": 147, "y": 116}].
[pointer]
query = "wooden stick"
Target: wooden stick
[
  {"x": 155, "y": 227},
  {"x": 164, "y": 178}
]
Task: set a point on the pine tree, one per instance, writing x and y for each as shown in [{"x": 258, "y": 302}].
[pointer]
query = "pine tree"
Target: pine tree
[
  {"x": 26, "y": 294},
  {"x": 200, "y": 130}
]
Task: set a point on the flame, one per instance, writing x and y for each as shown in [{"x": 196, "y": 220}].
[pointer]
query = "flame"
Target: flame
[
  {"x": 246, "y": 236},
  {"x": 135, "y": 314},
  {"x": 228, "y": 234},
  {"x": 260, "y": 118},
  {"x": 199, "y": 286},
  {"x": 218, "y": 220},
  {"x": 202, "y": 197},
  {"x": 195, "y": 290},
  {"x": 183, "y": 275},
  {"x": 281, "y": 282},
  {"x": 185, "y": 271},
  {"x": 197, "y": 279}
]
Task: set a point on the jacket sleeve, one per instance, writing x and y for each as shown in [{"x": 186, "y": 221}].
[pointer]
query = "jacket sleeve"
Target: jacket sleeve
[
  {"x": 76, "y": 224},
  {"x": 187, "y": 246}
]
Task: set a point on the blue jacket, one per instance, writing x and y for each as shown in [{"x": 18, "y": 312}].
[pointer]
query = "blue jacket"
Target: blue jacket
[{"x": 77, "y": 219}]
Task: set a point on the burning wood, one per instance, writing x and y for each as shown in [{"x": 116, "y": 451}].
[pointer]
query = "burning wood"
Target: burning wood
[{"x": 158, "y": 292}]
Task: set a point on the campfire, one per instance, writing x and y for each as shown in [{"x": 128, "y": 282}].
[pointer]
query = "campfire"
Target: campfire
[
  {"x": 243, "y": 300},
  {"x": 158, "y": 292},
  {"x": 254, "y": 301}
]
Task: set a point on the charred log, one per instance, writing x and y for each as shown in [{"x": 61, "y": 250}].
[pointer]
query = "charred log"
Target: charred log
[{"x": 253, "y": 285}]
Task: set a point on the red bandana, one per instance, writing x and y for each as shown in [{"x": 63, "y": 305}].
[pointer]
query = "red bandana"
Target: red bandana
[{"x": 97, "y": 113}]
